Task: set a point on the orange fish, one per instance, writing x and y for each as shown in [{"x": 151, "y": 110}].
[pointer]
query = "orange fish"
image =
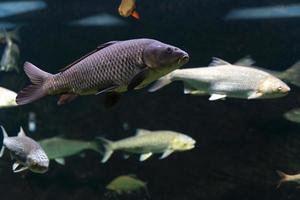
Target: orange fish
[{"x": 127, "y": 8}]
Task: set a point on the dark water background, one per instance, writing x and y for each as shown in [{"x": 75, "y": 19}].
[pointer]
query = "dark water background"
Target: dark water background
[{"x": 240, "y": 144}]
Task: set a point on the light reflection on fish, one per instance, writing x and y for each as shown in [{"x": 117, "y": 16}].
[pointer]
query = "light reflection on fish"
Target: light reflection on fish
[
  {"x": 28, "y": 154},
  {"x": 222, "y": 79},
  {"x": 7, "y": 98},
  {"x": 266, "y": 12}
]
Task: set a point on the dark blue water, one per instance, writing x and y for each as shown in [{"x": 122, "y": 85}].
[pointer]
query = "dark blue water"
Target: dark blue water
[{"x": 240, "y": 144}]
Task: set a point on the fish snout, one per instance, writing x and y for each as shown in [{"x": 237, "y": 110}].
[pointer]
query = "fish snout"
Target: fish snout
[
  {"x": 285, "y": 89},
  {"x": 183, "y": 57}
]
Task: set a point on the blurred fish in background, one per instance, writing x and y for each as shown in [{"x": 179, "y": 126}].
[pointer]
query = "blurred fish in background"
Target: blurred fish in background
[
  {"x": 288, "y": 178},
  {"x": 58, "y": 148},
  {"x": 11, "y": 54},
  {"x": 102, "y": 19},
  {"x": 127, "y": 8},
  {"x": 32, "y": 121},
  {"x": 7, "y": 98},
  {"x": 265, "y": 12},
  {"x": 293, "y": 115},
  {"x": 126, "y": 185},
  {"x": 10, "y": 8}
]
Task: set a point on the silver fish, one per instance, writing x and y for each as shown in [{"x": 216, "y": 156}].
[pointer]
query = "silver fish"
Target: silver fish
[
  {"x": 28, "y": 154},
  {"x": 148, "y": 142},
  {"x": 58, "y": 148},
  {"x": 7, "y": 98},
  {"x": 113, "y": 68},
  {"x": 223, "y": 79},
  {"x": 10, "y": 57}
]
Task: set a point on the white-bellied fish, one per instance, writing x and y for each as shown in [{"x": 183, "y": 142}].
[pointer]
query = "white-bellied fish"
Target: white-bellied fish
[
  {"x": 148, "y": 142},
  {"x": 29, "y": 155},
  {"x": 223, "y": 79},
  {"x": 113, "y": 68},
  {"x": 58, "y": 148},
  {"x": 127, "y": 184},
  {"x": 288, "y": 178},
  {"x": 127, "y": 8},
  {"x": 7, "y": 98},
  {"x": 11, "y": 56}
]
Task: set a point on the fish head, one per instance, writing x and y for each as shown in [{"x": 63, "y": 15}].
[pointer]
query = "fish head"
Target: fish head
[
  {"x": 163, "y": 57},
  {"x": 38, "y": 162},
  {"x": 183, "y": 143},
  {"x": 273, "y": 87}
]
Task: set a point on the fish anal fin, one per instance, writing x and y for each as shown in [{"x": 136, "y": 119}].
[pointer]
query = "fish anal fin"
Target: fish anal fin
[
  {"x": 88, "y": 54},
  {"x": 66, "y": 98},
  {"x": 145, "y": 156},
  {"x": 138, "y": 79},
  {"x": 217, "y": 62}
]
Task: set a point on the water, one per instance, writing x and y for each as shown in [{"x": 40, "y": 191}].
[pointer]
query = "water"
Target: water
[{"x": 240, "y": 143}]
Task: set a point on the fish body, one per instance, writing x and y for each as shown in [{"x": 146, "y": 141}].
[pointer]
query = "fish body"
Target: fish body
[
  {"x": 293, "y": 115},
  {"x": 27, "y": 153},
  {"x": 223, "y": 79},
  {"x": 288, "y": 178},
  {"x": 58, "y": 148},
  {"x": 148, "y": 142},
  {"x": 127, "y": 8},
  {"x": 7, "y": 98},
  {"x": 114, "y": 67},
  {"x": 126, "y": 184},
  {"x": 10, "y": 57}
]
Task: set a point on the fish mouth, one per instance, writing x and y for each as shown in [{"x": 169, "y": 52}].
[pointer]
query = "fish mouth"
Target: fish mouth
[{"x": 183, "y": 59}]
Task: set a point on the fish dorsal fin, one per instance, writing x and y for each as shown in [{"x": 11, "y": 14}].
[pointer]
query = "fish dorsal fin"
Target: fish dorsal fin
[
  {"x": 217, "y": 61},
  {"x": 102, "y": 46},
  {"x": 247, "y": 61},
  {"x": 140, "y": 132},
  {"x": 21, "y": 132}
]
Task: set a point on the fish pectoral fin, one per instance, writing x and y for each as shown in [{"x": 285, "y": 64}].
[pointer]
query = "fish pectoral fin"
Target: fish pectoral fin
[
  {"x": 217, "y": 62},
  {"x": 60, "y": 161},
  {"x": 108, "y": 89},
  {"x": 192, "y": 91},
  {"x": 255, "y": 95},
  {"x": 138, "y": 79},
  {"x": 15, "y": 167},
  {"x": 145, "y": 156},
  {"x": 166, "y": 153},
  {"x": 111, "y": 99},
  {"x": 66, "y": 98},
  {"x": 106, "y": 155},
  {"x": 214, "y": 97}
]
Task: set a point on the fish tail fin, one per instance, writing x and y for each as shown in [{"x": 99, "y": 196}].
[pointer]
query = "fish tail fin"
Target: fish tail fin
[
  {"x": 160, "y": 83},
  {"x": 108, "y": 149},
  {"x": 36, "y": 90},
  {"x": 292, "y": 74},
  {"x": 4, "y": 133},
  {"x": 283, "y": 177}
]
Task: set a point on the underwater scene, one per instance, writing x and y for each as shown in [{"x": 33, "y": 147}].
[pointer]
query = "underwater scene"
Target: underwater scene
[{"x": 150, "y": 99}]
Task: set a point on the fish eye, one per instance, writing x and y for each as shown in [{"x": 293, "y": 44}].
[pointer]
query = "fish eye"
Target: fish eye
[
  {"x": 169, "y": 50},
  {"x": 279, "y": 88}
]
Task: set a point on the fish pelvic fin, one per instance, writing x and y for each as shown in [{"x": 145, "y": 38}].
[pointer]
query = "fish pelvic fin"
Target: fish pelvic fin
[
  {"x": 4, "y": 133},
  {"x": 108, "y": 149},
  {"x": 160, "y": 83},
  {"x": 283, "y": 178},
  {"x": 36, "y": 90}
]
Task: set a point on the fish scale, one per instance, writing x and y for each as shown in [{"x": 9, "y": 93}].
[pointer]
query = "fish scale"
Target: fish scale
[{"x": 101, "y": 70}]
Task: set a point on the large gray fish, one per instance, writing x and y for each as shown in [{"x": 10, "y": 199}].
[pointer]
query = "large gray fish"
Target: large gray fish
[
  {"x": 114, "y": 67},
  {"x": 27, "y": 153},
  {"x": 148, "y": 142},
  {"x": 223, "y": 79},
  {"x": 11, "y": 56}
]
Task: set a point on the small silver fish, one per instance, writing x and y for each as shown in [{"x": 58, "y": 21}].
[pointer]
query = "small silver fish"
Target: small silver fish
[
  {"x": 58, "y": 148},
  {"x": 10, "y": 57},
  {"x": 288, "y": 178},
  {"x": 28, "y": 154},
  {"x": 113, "y": 68},
  {"x": 223, "y": 79},
  {"x": 7, "y": 98},
  {"x": 148, "y": 142}
]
